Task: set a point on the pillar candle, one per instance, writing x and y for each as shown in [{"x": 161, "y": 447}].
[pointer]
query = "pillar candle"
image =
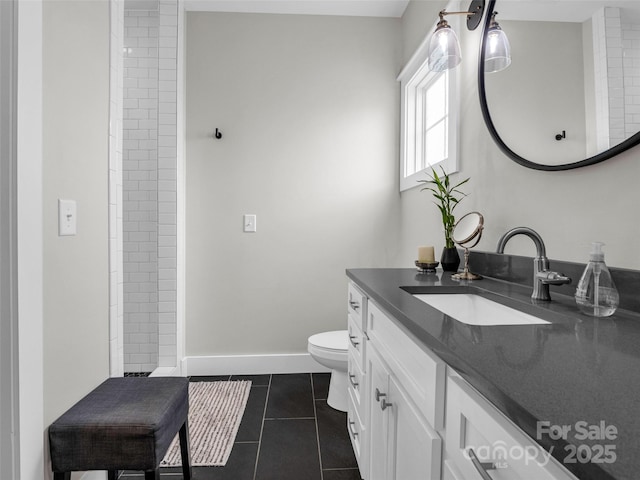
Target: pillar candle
[{"x": 426, "y": 255}]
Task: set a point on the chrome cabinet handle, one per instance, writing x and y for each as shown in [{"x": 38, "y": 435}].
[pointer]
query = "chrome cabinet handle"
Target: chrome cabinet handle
[
  {"x": 354, "y": 305},
  {"x": 351, "y": 339},
  {"x": 352, "y": 430},
  {"x": 352, "y": 380},
  {"x": 379, "y": 395},
  {"x": 384, "y": 404},
  {"x": 480, "y": 466}
]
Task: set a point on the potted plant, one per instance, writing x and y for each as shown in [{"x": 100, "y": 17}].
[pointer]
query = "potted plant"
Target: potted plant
[{"x": 447, "y": 197}]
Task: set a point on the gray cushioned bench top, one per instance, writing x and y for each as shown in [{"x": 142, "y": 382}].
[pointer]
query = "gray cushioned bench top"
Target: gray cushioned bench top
[{"x": 124, "y": 424}]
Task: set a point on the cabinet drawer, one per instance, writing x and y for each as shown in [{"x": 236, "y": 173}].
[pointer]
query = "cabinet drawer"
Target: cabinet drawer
[
  {"x": 357, "y": 305},
  {"x": 507, "y": 452},
  {"x": 421, "y": 373},
  {"x": 357, "y": 384},
  {"x": 356, "y": 431},
  {"x": 357, "y": 341}
]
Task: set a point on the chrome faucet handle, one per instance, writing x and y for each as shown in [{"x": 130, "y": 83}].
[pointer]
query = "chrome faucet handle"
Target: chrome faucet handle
[{"x": 548, "y": 277}]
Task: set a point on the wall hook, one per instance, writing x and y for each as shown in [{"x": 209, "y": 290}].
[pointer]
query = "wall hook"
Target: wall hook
[
  {"x": 562, "y": 135},
  {"x": 218, "y": 134}
]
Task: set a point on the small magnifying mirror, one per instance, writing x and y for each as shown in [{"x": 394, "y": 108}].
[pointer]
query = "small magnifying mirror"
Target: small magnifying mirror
[{"x": 467, "y": 233}]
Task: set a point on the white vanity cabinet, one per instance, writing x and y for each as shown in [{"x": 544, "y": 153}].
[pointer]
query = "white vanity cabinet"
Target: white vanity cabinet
[
  {"x": 502, "y": 450},
  {"x": 406, "y": 404},
  {"x": 396, "y": 411},
  {"x": 357, "y": 399}
]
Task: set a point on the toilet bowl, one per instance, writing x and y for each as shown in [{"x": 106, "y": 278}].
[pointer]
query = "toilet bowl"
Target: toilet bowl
[{"x": 330, "y": 349}]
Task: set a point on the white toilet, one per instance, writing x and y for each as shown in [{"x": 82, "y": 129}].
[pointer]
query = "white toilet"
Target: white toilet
[{"x": 330, "y": 349}]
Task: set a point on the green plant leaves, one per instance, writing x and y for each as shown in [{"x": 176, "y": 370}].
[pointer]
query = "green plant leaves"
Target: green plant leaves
[{"x": 448, "y": 197}]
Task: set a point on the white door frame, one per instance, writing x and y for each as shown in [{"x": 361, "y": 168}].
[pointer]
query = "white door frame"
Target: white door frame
[
  {"x": 29, "y": 246},
  {"x": 21, "y": 301}
]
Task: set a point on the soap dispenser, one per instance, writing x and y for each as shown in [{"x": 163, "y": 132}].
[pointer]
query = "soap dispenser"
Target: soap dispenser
[{"x": 596, "y": 294}]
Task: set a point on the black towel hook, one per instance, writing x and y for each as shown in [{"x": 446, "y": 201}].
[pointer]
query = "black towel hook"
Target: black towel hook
[{"x": 218, "y": 134}]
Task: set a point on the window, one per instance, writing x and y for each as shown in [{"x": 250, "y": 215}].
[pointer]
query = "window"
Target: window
[{"x": 429, "y": 128}]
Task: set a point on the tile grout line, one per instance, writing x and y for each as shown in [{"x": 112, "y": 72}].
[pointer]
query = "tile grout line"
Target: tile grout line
[
  {"x": 264, "y": 414},
  {"x": 315, "y": 418}
]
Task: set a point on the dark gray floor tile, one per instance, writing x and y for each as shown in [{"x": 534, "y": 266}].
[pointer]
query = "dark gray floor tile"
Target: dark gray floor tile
[
  {"x": 290, "y": 396},
  {"x": 240, "y": 466},
  {"x": 348, "y": 474},
  {"x": 256, "y": 380},
  {"x": 208, "y": 378},
  {"x": 321, "y": 385},
  {"x": 251, "y": 424},
  {"x": 335, "y": 446},
  {"x": 289, "y": 451}
]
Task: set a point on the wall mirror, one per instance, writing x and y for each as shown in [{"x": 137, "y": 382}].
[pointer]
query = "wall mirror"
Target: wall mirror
[{"x": 571, "y": 96}]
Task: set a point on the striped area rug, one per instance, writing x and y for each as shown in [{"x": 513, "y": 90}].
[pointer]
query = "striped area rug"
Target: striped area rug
[{"x": 215, "y": 412}]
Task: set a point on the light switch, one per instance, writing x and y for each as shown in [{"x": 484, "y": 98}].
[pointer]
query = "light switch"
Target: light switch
[
  {"x": 67, "y": 213},
  {"x": 249, "y": 223}
]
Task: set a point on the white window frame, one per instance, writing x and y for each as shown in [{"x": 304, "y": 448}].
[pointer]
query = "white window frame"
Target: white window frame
[{"x": 412, "y": 79}]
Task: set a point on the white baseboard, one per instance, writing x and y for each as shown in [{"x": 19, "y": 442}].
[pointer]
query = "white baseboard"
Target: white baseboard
[
  {"x": 251, "y": 364},
  {"x": 165, "y": 372}
]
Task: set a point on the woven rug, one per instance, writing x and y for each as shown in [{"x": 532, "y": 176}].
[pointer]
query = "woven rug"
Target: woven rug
[{"x": 215, "y": 412}]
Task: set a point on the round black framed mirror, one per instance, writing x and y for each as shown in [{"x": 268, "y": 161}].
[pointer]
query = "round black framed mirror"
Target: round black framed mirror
[{"x": 542, "y": 140}]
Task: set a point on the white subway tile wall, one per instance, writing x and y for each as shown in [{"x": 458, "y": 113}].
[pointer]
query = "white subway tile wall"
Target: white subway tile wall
[
  {"x": 167, "y": 168},
  {"x": 616, "y": 38},
  {"x": 615, "y": 75},
  {"x": 631, "y": 67},
  {"x": 149, "y": 176},
  {"x": 116, "y": 276}
]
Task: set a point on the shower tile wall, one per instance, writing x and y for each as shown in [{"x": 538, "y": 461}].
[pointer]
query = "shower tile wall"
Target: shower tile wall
[
  {"x": 616, "y": 36},
  {"x": 149, "y": 178},
  {"x": 631, "y": 66},
  {"x": 167, "y": 175},
  {"x": 116, "y": 276}
]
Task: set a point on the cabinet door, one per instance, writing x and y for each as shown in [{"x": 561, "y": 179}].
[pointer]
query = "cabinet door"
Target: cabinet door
[
  {"x": 417, "y": 447},
  {"x": 379, "y": 435},
  {"x": 503, "y": 451},
  {"x": 402, "y": 444}
]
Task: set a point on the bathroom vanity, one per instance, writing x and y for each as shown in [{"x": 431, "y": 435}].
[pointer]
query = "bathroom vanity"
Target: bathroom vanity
[{"x": 431, "y": 397}]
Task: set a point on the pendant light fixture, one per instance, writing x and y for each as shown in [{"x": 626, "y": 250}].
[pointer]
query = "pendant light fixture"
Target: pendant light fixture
[
  {"x": 444, "y": 48},
  {"x": 497, "y": 55}
]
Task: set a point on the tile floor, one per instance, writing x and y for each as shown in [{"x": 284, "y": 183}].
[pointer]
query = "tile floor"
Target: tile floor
[{"x": 287, "y": 432}]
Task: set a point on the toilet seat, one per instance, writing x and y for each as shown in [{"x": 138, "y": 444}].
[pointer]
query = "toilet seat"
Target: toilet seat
[{"x": 337, "y": 340}]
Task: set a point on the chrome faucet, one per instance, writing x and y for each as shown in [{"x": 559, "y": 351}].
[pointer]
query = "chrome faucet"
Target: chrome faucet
[{"x": 542, "y": 276}]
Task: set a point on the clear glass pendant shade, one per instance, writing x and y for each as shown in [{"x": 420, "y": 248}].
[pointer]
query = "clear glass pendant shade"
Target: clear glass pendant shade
[
  {"x": 444, "y": 49},
  {"x": 498, "y": 51}
]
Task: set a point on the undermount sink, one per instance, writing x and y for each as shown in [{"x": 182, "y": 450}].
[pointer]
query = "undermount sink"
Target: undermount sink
[{"x": 476, "y": 310}]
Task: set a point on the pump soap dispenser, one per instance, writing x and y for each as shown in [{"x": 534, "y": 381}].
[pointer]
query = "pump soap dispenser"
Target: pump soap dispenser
[{"x": 596, "y": 294}]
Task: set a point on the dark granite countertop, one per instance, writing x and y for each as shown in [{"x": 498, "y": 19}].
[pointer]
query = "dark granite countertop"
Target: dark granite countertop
[{"x": 576, "y": 369}]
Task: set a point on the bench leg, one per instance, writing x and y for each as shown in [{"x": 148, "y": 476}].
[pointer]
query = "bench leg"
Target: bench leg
[
  {"x": 184, "y": 451},
  {"x": 152, "y": 474},
  {"x": 61, "y": 475}
]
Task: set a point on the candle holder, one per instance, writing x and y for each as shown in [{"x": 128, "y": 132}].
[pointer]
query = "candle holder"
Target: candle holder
[{"x": 428, "y": 267}]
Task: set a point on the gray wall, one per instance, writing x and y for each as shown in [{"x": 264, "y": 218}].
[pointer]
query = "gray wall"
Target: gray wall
[
  {"x": 308, "y": 108},
  {"x": 569, "y": 209},
  {"x": 75, "y": 166}
]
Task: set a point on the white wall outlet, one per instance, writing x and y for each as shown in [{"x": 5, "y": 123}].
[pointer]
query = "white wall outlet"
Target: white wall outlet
[
  {"x": 249, "y": 223},
  {"x": 67, "y": 217}
]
